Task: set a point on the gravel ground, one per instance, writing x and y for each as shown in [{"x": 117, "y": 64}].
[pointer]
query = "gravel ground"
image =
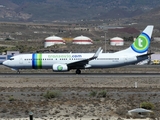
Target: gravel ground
[{"x": 74, "y": 97}]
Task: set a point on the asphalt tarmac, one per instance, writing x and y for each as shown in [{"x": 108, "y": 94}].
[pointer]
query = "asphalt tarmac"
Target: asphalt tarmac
[{"x": 73, "y": 75}]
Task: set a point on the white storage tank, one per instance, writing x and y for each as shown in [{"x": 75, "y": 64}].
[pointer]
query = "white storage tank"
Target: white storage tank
[
  {"x": 52, "y": 40},
  {"x": 82, "y": 40},
  {"x": 116, "y": 41}
]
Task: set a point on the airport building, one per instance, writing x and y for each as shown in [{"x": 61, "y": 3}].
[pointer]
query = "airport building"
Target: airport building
[
  {"x": 6, "y": 56},
  {"x": 52, "y": 40},
  {"x": 116, "y": 41},
  {"x": 82, "y": 40}
]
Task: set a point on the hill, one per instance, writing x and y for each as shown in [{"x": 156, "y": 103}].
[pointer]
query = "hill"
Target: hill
[{"x": 71, "y": 10}]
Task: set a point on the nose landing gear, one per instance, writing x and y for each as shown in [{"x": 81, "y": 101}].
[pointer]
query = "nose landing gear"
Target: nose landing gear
[{"x": 17, "y": 70}]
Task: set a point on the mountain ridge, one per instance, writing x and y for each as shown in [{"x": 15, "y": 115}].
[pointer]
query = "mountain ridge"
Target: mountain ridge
[{"x": 71, "y": 10}]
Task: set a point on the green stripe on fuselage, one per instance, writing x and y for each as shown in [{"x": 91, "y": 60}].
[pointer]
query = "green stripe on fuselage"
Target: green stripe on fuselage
[{"x": 39, "y": 61}]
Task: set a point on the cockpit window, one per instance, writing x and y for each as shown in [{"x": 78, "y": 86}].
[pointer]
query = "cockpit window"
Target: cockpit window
[{"x": 11, "y": 58}]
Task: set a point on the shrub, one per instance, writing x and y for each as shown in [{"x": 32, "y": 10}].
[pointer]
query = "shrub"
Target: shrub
[
  {"x": 11, "y": 98},
  {"x": 8, "y": 39},
  {"x": 93, "y": 93},
  {"x": 51, "y": 94},
  {"x": 147, "y": 105},
  {"x": 4, "y": 110},
  {"x": 102, "y": 93}
]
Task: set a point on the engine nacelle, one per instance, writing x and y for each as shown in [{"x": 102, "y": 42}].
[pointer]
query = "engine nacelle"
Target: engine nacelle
[{"x": 60, "y": 67}]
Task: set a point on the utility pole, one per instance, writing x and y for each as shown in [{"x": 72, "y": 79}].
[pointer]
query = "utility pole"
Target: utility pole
[{"x": 105, "y": 42}]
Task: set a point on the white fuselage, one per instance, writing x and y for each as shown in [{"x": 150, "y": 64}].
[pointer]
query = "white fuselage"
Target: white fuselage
[{"x": 46, "y": 61}]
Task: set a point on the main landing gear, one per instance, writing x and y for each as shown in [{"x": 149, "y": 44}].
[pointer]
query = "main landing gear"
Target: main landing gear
[
  {"x": 78, "y": 71},
  {"x": 18, "y": 71}
]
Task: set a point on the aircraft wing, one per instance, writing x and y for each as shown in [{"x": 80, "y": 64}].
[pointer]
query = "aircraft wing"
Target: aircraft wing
[{"x": 84, "y": 63}]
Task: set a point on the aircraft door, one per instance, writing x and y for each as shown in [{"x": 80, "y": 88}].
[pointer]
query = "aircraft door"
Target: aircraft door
[
  {"x": 125, "y": 59},
  {"x": 21, "y": 60}
]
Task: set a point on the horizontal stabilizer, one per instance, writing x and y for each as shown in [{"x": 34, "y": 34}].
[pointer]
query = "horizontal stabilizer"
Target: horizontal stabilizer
[{"x": 145, "y": 54}]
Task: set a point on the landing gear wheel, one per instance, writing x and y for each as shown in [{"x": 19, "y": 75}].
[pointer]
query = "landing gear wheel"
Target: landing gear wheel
[
  {"x": 18, "y": 71},
  {"x": 78, "y": 71}
]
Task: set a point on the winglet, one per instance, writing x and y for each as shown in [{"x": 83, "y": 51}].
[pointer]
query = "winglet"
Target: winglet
[{"x": 96, "y": 54}]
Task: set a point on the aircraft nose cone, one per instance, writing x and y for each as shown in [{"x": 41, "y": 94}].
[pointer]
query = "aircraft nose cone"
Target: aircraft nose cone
[{"x": 5, "y": 63}]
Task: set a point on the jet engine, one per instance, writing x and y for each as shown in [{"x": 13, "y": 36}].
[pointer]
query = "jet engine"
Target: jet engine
[{"x": 60, "y": 67}]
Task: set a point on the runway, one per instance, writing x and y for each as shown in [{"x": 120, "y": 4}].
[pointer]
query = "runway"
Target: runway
[
  {"x": 73, "y": 75},
  {"x": 121, "y": 72}
]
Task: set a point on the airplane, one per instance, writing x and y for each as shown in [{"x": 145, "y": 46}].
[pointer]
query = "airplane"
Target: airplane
[{"x": 61, "y": 62}]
